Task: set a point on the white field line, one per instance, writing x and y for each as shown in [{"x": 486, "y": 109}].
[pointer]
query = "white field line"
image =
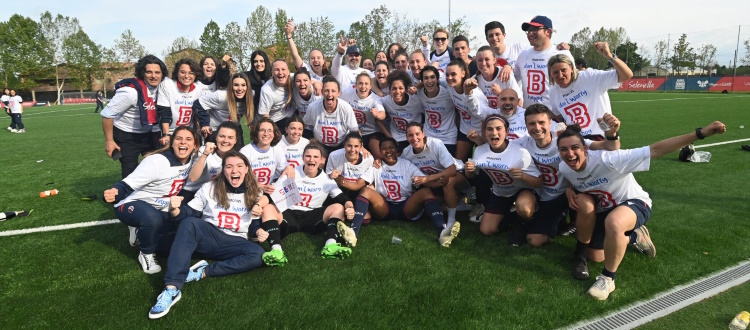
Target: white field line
[
  {"x": 720, "y": 143},
  {"x": 55, "y": 117},
  {"x": 681, "y": 98},
  {"x": 54, "y": 111},
  {"x": 58, "y": 227}
]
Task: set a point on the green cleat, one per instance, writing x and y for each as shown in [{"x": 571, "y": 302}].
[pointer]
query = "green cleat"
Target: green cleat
[
  {"x": 274, "y": 258},
  {"x": 347, "y": 233},
  {"x": 449, "y": 234},
  {"x": 335, "y": 250}
]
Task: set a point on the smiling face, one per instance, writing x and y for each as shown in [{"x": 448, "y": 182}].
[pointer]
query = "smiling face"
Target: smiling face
[
  {"x": 235, "y": 171},
  {"x": 416, "y": 63},
  {"x": 226, "y": 138},
  {"x": 380, "y": 56},
  {"x": 317, "y": 61},
  {"x": 352, "y": 148},
  {"x": 538, "y": 36},
  {"x": 185, "y": 75},
  {"x": 508, "y": 102},
  {"x": 153, "y": 75},
  {"x": 183, "y": 145},
  {"x": 368, "y": 64},
  {"x": 495, "y": 131},
  {"x": 330, "y": 96},
  {"x": 486, "y": 63},
  {"x": 280, "y": 71},
  {"x": 415, "y": 136},
  {"x": 538, "y": 126},
  {"x": 430, "y": 81},
  {"x": 312, "y": 159},
  {"x": 352, "y": 60},
  {"x": 573, "y": 152},
  {"x": 389, "y": 151},
  {"x": 392, "y": 51},
  {"x": 381, "y": 73},
  {"x": 294, "y": 131},
  {"x": 401, "y": 62},
  {"x": 265, "y": 135},
  {"x": 461, "y": 50},
  {"x": 239, "y": 87},
  {"x": 209, "y": 68},
  {"x": 259, "y": 63},
  {"x": 398, "y": 92},
  {"x": 562, "y": 74},
  {"x": 496, "y": 39},
  {"x": 363, "y": 86},
  {"x": 454, "y": 75},
  {"x": 302, "y": 82},
  {"x": 440, "y": 41}
]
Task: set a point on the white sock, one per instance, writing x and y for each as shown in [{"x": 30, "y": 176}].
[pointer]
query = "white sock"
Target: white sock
[
  {"x": 330, "y": 241},
  {"x": 276, "y": 247},
  {"x": 451, "y": 217}
]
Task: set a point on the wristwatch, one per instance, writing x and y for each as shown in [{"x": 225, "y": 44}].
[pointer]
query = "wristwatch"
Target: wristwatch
[{"x": 614, "y": 138}]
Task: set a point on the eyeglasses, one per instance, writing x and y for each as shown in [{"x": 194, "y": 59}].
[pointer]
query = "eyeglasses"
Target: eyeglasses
[
  {"x": 440, "y": 39},
  {"x": 270, "y": 131},
  {"x": 535, "y": 29}
]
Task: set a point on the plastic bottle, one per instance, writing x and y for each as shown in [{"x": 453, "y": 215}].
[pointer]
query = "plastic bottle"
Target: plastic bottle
[
  {"x": 740, "y": 321},
  {"x": 47, "y": 193}
]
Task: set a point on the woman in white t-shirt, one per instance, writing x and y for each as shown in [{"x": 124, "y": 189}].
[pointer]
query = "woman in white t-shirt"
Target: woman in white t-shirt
[
  {"x": 15, "y": 103},
  {"x": 208, "y": 165},
  {"x": 294, "y": 143},
  {"x": 316, "y": 64},
  {"x": 266, "y": 155},
  {"x": 276, "y": 95},
  {"x": 230, "y": 105},
  {"x": 622, "y": 206},
  {"x": 302, "y": 97},
  {"x": 369, "y": 112},
  {"x": 581, "y": 97}
]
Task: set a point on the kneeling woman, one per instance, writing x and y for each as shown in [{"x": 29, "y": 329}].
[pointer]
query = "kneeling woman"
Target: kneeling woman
[
  {"x": 215, "y": 225},
  {"x": 310, "y": 215},
  {"x": 394, "y": 196},
  {"x": 142, "y": 198},
  {"x": 514, "y": 178}
]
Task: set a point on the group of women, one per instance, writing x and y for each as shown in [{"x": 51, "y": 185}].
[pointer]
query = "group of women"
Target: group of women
[{"x": 414, "y": 147}]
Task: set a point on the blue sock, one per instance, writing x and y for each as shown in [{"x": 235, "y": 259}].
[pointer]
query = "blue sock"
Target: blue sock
[
  {"x": 432, "y": 207},
  {"x": 633, "y": 237},
  {"x": 361, "y": 205}
]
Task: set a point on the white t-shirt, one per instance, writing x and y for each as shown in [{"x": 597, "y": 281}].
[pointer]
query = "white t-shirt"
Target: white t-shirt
[
  {"x": 393, "y": 182},
  {"x": 402, "y": 115},
  {"x": 123, "y": 108},
  {"x": 531, "y": 70},
  {"x": 498, "y": 165},
  {"x": 313, "y": 190},
  {"x": 345, "y": 75},
  {"x": 313, "y": 75},
  {"x": 435, "y": 158},
  {"x": 180, "y": 102},
  {"x": 218, "y": 111},
  {"x": 472, "y": 110},
  {"x": 486, "y": 86},
  {"x": 442, "y": 59},
  {"x": 517, "y": 123},
  {"x": 300, "y": 105},
  {"x": 294, "y": 151},
  {"x": 15, "y": 103},
  {"x": 511, "y": 53},
  {"x": 362, "y": 107},
  {"x": 350, "y": 172},
  {"x": 440, "y": 115},
  {"x": 156, "y": 179},
  {"x": 233, "y": 221},
  {"x": 211, "y": 169},
  {"x": 331, "y": 128},
  {"x": 267, "y": 165},
  {"x": 608, "y": 176},
  {"x": 5, "y": 98},
  {"x": 273, "y": 101},
  {"x": 584, "y": 100}
]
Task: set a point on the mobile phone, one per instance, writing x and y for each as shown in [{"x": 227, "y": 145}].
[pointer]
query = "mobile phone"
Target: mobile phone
[{"x": 116, "y": 154}]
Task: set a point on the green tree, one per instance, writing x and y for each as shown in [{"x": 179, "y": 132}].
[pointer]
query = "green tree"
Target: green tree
[
  {"x": 83, "y": 58},
  {"x": 373, "y": 33},
  {"x": 260, "y": 28},
  {"x": 24, "y": 51},
  {"x": 317, "y": 33},
  {"x": 746, "y": 59},
  {"x": 683, "y": 56},
  {"x": 281, "y": 50},
  {"x": 581, "y": 42},
  {"x": 128, "y": 49},
  {"x": 628, "y": 52},
  {"x": 661, "y": 52},
  {"x": 56, "y": 30},
  {"x": 212, "y": 42},
  {"x": 706, "y": 57}
]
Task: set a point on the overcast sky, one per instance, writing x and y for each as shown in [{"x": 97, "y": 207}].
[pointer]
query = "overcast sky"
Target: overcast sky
[{"x": 156, "y": 23}]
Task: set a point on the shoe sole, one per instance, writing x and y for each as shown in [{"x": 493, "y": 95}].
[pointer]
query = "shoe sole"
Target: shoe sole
[
  {"x": 600, "y": 298},
  {"x": 455, "y": 229},
  {"x": 271, "y": 261},
  {"x": 196, "y": 266},
  {"x": 341, "y": 254},
  {"x": 647, "y": 237},
  {"x": 158, "y": 315},
  {"x": 350, "y": 238},
  {"x": 142, "y": 261}
]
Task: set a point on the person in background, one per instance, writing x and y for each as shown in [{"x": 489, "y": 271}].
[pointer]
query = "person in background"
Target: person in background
[
  {"x": 16, "y": 111},
  {"x": 99, "y": 101}
]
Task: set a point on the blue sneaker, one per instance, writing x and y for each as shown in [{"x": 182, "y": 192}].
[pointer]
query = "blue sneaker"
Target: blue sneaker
[
  {"x": 196, "y": 271},
  {"x": 164, "y": 302}
]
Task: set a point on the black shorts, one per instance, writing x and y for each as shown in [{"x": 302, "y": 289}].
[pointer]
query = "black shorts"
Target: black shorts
[
  {"x": 550, "y": 213},
  {"x": 396, "y": 211},
  {"x": 501, "y": 205},
  {"x": 642, "y": 213},
  {"x": 451, "y": 148},
  {"x": 304, "y": 221},
  {"x": 462, "y": 137}
]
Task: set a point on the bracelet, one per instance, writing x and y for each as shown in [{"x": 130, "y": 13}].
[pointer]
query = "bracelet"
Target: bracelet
[
  {"x": 205, "y": 154},
  {"x": 287, "y": 38},
  {"x": 699, "y": 134}
]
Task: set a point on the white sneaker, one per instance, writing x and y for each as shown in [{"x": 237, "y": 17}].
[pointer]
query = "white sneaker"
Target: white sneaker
[
  {"x": 148, "y": 263},
  {"x": 449, "y": 234},
  {"x": 23, "y": 130},
  {"x": 601, "y": 288},
  {"x": 476, "y": 213},
  {"x": 133, "y": 239},
  {"x": 347, "y": 233},
  {"x": 13, "y": 130},
  {"x": 10, "y": 128}
]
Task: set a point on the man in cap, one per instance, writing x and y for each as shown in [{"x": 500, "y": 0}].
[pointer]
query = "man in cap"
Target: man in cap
[{"x": 347, "y": 75}]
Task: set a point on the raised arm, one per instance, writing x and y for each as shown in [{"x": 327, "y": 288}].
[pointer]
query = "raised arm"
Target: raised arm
[
  {"x": 289, "y": 30},
  {"x": 623, "y": 71},
  {"x": 673, "y": 144}
]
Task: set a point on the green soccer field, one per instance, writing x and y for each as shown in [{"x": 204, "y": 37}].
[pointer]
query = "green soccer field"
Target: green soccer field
[{"x": 89, "y": 277}]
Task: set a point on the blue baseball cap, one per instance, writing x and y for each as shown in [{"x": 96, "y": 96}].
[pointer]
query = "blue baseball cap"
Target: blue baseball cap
[
  {"x": 538, "y": 21},
  {"x": 352, "y": 49}
]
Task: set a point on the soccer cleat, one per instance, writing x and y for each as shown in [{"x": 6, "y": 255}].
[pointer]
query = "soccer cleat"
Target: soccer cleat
[
  {"x": 476, "y": 213},
  {"x": 23, "y": 130},
  {"x": 196, "y": 271},
  {"x": 643, "y": 242},
  {"x": 164, "y": 302},
  {"x": 347, "y": 233},
  {"x": 148, "y": 263},
  {"x": 449, "y": 234},
  {"x": 133, "y": 239},
  {"x": 581, "y": 269},
  {"x": 601, "y": 288},
  {"x": 274, "y": 258},
  {"x": 335, "y": 250}
]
